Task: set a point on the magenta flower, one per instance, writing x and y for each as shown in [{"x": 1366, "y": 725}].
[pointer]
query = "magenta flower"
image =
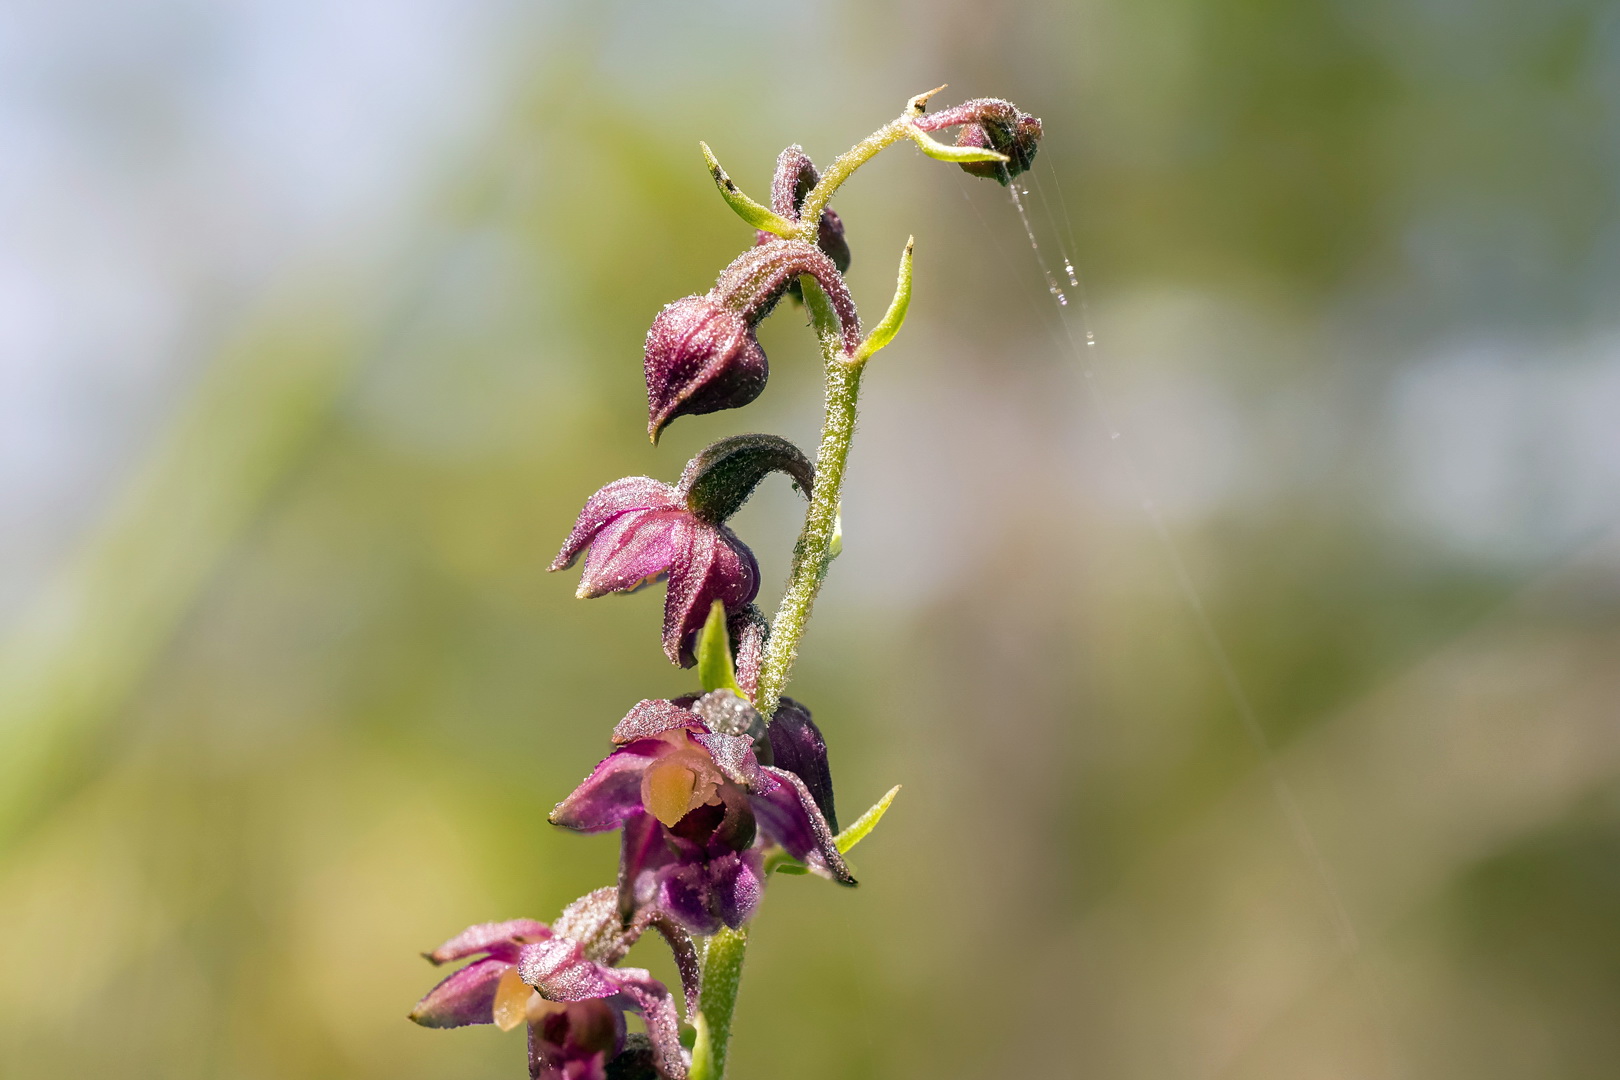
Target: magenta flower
[
  {"x": 695, "y": 806},
  {"x": 996, "y": 124},
  {"x": 639, "y": 530},
  {"x": 702, "y": 355},
  {"x": 560, "y": 982}
]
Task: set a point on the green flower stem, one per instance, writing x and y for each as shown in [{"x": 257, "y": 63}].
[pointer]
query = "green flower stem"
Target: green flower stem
[
  {"x": 814, "y": 550},
  {"x": 722, "y": 973},
  {"x": 868, "y": 148}
]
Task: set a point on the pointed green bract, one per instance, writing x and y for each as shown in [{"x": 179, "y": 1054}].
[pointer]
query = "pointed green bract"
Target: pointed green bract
[
  {"x": 866, "y": 822},
  {"x": 780, "y": 862},
  {"x": 714, "y": 654},
  {"x": 760, "y": 217},
  {"x": 941, "y": 152},
  {"x": 895, "y": 317}
]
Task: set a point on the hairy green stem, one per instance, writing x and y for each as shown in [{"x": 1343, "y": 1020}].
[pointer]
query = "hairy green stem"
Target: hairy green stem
[
  {"x": 868, "y": 148},
  {"x": 722, "y": 973},
  {"x": 813, "y": 552}
]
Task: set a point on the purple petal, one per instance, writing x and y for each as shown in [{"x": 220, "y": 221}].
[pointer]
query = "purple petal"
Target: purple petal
[
  {"x": 467, "y": 997},
  {"x": 734, "y": 756},
  {"x": 559, "y": 970},
  {"x": 633, "y": 550},
  {"x": 630, "y": 493},
  {"x": 684, "y": 894},
  {"x": 738, "y": 885},
  {"x": 657, "y": 1007},
  {"x": 651, "y": 718},
  {"x": 797, "y": 746},
  {"x": 487, "y": 936},
  {"x": 789, "y": 816},
  {"x": 714, "y": 565},
  {"x": 613, "y": 790}
]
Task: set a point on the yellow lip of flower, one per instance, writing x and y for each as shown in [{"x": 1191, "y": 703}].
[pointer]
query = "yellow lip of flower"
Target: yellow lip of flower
[
  {"x": 512, "y": 996},
  {"x": 680, "y": 782}
]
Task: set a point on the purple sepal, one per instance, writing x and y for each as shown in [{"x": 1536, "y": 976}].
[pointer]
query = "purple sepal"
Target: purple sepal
[
  {"x": 714, "y": 565},
  {"x": 650, "y": 718},
  {"x": 798, "y": 747},
  {"x": 559, "y": 970},
  {"x": 612, "y": 793},
  {"x": 620, "y": 497},
  {"x": 788, "y": 815},
  {"x": 466, "y": 997},
  {"x": 495, "y": 938}
]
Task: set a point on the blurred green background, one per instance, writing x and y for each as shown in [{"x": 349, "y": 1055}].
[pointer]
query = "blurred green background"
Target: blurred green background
[{"x": 319, "y": 319}]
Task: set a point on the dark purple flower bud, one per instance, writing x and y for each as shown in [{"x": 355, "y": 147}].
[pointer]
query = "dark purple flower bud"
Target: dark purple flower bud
[
  {"x": 694, "y": 806},
  {"x": 702, "y": 355},
  {"x": 639, "y": 530},
  {"x": 993, "y": 124},
  {"x": 795, "y": 176},
  {"x": 561, "y": 983}
]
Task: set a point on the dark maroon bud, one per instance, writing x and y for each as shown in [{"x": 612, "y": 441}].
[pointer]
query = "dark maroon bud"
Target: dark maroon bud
[
  {"x": 993, "y": 124},
  {"x": 702, "y": 355},
  {"x": 795, "y": 176},
  {"x": 721, "y": 477}
]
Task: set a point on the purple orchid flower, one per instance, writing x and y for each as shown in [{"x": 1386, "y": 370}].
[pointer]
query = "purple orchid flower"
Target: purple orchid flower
[
  {"x": 560, "y": 981},
  {"x": 639, "y": 530},
  {"x": 695, "y": 804}
]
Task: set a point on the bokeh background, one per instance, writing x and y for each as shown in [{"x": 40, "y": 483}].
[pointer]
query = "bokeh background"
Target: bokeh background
[{"x": 1276, "y": 737}]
